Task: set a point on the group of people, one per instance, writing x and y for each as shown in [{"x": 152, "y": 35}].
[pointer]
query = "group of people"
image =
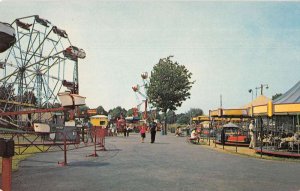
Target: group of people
[
  {"x": 126, "y": 130},
  {"x": 152, "y": 129}
]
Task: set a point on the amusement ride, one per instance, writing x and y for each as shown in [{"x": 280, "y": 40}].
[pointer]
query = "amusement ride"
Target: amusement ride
[
  {"x": 141, "y": 96},
  {"x": 37, "y": 62}
]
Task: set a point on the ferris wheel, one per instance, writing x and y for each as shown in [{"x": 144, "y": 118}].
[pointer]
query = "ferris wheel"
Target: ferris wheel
[
  {"x": 141, "y": 95},
  {"x": 40, "y": 63}
]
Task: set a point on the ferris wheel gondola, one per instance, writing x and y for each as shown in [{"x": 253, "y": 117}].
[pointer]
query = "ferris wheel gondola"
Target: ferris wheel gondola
[{"x": 7, "y": 37}]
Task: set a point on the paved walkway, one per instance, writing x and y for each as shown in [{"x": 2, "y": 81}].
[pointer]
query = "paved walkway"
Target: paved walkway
[{"x": 169, "y": 164}]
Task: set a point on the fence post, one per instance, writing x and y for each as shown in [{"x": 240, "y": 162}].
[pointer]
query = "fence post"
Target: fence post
[
  {"x": 7, "y": 151},
  {"x": 6, "y": 173},
  {"x": 65, "y": 151}
]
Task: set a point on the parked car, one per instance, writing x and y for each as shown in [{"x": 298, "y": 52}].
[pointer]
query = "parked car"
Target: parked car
[{"x": 72, "y": 52}]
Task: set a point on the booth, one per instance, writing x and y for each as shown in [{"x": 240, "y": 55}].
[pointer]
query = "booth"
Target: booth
[{"x": 99, "y": 120}]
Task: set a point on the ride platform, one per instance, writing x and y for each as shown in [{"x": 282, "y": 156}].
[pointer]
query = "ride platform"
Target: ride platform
[
  {"x": 239, "y": 144},
  {"x": 278, "y": 153}
]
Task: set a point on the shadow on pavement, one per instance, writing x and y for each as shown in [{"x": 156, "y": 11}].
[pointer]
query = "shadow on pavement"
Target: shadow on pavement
[
  {"x": 88, "y": 164},
  {"x": 158, "y": 143}
]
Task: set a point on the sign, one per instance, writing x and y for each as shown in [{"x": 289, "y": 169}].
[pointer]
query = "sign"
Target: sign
[{"x": 92, "y": 111}]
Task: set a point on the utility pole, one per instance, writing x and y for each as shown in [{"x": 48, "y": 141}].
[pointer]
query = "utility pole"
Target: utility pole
[
  {"x": 220, "y": 100},
  {"x": 261, "y": 88}
]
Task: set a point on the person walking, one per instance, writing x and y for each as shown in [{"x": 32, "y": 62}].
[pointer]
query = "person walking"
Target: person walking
[
  {"x": 252, "y": 135},
  {"x": 128, "y": 129},
  {"x": 143, "y": 132},
  {"x": 153, "y": 128},
  {"x": 124, "y": 130},
  {"x": 89, "y": 131},
  {"x": 114, "y": 129}
]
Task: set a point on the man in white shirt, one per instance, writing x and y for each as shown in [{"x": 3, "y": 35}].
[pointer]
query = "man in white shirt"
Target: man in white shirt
[{"x": 252, "y": 135}]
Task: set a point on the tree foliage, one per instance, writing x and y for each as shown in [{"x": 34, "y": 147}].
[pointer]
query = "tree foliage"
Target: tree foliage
[
  {"x": 129, "y": 112},
  {"x": 101, "y": 110},
  {"x": 169, "y": 85},
  {"x": 276, "y": 96},
  {"x": 29, "y": 97},
  {"x": 83, "y": 109},
  {"x": 117, "y": 112},
  {"x": 6, "y": 93},
  {"x": 183, "y": 118},
  {"x": 171, "y": 117},
  {"x": 193, "y": 112}
]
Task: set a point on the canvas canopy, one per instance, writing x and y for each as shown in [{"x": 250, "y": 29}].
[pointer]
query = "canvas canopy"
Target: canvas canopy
[
  {"x": 289, "y": 102},
  {"x": 291, "y": 96},
  {"x": 260, "y": 100}
]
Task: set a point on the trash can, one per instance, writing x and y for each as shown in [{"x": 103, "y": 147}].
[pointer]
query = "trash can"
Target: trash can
[
  {"x": 172, "y": 129},
  {"x": 7, "y": 148},
  {"x": 187, "y": 132}
]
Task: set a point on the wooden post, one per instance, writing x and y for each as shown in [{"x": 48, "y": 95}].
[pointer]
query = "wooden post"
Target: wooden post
[{"x": 6, "y": 173}]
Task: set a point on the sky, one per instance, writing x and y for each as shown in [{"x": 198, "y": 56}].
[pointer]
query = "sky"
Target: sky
[{"x": 230, "y": 47}]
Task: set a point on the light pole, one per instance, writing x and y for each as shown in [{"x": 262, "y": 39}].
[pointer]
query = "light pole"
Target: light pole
[
  {"x": 251, "y": 91},
  {"x": 262, "y": 87}
]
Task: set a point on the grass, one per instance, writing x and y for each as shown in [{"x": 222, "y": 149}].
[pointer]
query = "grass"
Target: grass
[{"x": 18, "y": 158}]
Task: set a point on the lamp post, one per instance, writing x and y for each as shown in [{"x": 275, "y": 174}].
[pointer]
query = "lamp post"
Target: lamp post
[
  {"x": 262, "y": 87},
  {"x": 251, "y": 91}
]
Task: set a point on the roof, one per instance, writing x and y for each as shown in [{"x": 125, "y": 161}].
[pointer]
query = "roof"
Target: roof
[
  {"x": 291, "y": 96},
  {"x": 99, "y": 116},
  {"x": 230, "y": 125},
  {"x": 260, "y": 100}
]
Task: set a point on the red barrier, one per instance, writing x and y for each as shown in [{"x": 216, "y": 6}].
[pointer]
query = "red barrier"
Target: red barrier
[
  {"x": 101, "y": 133},
  {"x": 99, "y": 139}
]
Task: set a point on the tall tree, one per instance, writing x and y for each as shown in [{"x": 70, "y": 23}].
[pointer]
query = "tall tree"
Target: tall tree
[
  {"x": 193, "y": 112},
  {"x": 169, "y": 85},
  {"x": 7, "y": 93},
  {"x": 117, "y": 112},
  {"x": 183, "y": 118},
  {"x": 29, "y": 97},
  {"x": 101, "y": 110},
  {"x": 83, "y": 111},
  {"x": 129, "y": 112},
  {"x": 171, "y": 117}
]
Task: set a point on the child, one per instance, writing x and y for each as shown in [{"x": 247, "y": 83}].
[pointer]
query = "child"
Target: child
[{"x": 143, "y": 132}]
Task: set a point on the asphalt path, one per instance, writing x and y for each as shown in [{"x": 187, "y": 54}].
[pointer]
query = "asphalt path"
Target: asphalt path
[{"x": 169, "y": 164}]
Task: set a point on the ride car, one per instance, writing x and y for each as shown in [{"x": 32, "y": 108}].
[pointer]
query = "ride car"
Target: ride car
[{"x": 73, "y": 53}]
